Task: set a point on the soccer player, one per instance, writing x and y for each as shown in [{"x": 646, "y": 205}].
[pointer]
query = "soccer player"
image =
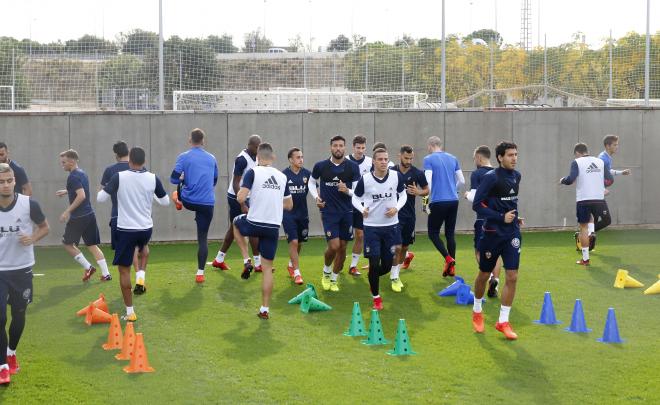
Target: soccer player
[
  {"x": 381, "y": 145},
  {"x": 22, "y": 223},
  {"x": 120, "y": 149},
  {"x": 335, "y": 178},
  {"x": 375, "y": 196},
  {"x": 445, "y": 178},
  {"x": 365, "y": 164},
  {"x": 296, "y": 221},
  {"x": 245, "y": 161},
  {"x": 482, "y": 162},
  {"x": 592, "y": 177},
  {"x": 496, "y": 200},
  {"x": 196, "y": 174},
  {"x": 21, "y": 182},
  {"x": 416, "y": 185},
  {"x": 80, "y": 218},
  {"x": 269, "y": 196},
  {"x": 134, "y": 190}
]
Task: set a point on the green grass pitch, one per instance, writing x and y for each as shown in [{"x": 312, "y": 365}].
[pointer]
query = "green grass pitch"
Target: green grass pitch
[{"x": 208, "y": 346}]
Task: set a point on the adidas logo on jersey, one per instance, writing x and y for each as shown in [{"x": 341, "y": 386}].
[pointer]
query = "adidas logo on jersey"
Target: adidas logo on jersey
[
  {"x": 593, "y": 168},
  {"x": 512, "y": 191},
  {"x": 290, "y": 182},
  {"x": 271, "y": 183},
  {"x": 336, "y": 178}
]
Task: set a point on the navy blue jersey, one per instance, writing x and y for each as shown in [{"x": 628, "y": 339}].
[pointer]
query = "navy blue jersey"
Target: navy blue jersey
[
  {"x": 105, "y": 179},
  {"x": 413, "y": 175},
  {"x": 297, "y": 184},
  {"x": 475, "y": 179},
  {"x": 20, "y": 177},
  {"x": 328, "y": 176},
  {"x": 78, "y": 179},
  {"x": 496, "y": 195}
]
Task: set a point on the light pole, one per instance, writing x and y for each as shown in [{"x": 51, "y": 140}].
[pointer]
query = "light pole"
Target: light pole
[
  {"x": 648, "y": 53},
  {"x": 161, "y": 79},
  {"x": 403, "y": 64},
  {"x": 443, "y": 78}
]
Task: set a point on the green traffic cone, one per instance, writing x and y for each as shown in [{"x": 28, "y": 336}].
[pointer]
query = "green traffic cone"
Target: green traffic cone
[
  {"x": 356, "y": 328},
  {"x": 310, "y": 303},
  {"x": 402, "y": 341},
  {"x": 375, "y": 335},
  {"x": 310, "y": 290}
]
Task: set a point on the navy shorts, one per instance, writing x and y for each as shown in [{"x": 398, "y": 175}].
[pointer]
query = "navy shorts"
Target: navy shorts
[
  {"x": 203, "y": 214},
  {"x": 443, "y": 212},
  {"x": 337, "y": 225},
  {"x": 357, "y": 220},
  {"x": 267, "y": 234},
  {"x": 82, "y": 227},
  {"x": 127, "y": 241},
  {"x": 585, "y": 209},
  {"x": 478, "y": 231},
  {"x": 15, "y": 289},
  {"x": 295, "y": 228},
  {"x": 492, "y": 246},
  {"x": 381, "y": 241},
  {"x": 407, "y": 227},
  {"x": 234, "y": 207},
  {"x": 113, "y": 233}
]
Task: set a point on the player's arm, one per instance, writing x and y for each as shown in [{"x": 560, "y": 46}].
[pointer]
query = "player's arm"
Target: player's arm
[
  {"x": 80, "y": 197},
  {"x": 419, "y": 187},
  {"x": 480, "y": 203},
  {"x": 244, "y": 191},
  {"x": 458, "y": 176},
  {"x": 287, "y": 200},
  {"x": 161, "y": 194},
  {"x": 402, "y": 196},
  {"x": 42, "y": 228},
  {"x": 27, "y": 189},
  {"x": 570, "y": 179},
  {"x": 177, "y": 172},
  {"x": 109, "y": 189},
  {"x": 356, "y": 198},
  {"x": 313, "y": 185},
  {"x": 240, "y": 164},
  {"x": 215, "y": 172}
]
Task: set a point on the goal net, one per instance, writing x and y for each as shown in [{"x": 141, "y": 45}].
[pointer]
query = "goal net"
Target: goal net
[{"x": 7, "y": 98}]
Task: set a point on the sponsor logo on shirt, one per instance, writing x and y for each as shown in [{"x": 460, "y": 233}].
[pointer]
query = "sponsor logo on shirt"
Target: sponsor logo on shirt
[
  {"x": 271, "y": 183},
  {"x": 593, "y": 168},
  {"x": 382, "y": 196}
]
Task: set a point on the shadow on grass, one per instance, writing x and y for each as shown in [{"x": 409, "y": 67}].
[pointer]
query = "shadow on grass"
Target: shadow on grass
[
  {"x": 251, "y": 346},
  {"x": 174, "y": 307},
  {"x": 61, "y": 293},
  {"x": 95, "y": 358}
]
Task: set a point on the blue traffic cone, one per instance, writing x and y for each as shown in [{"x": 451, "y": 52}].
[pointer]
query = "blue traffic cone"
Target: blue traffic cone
[
  {"x": 578, "y": 324},
  {"x": 464, "y": 296},
  {"x": 611, "y": 331},
  {"x": 548, "y": 312},
  {"x": 452, "y": 289}
]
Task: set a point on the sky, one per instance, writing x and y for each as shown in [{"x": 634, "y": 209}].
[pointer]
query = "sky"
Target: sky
[{"x": 323, "y": 20}]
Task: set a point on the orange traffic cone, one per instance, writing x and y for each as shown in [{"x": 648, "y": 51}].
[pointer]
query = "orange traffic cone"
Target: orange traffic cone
[
  {"x": 128, "y": 343},
  {"x": 114, "y": 335},
  {"x": 100, "y": 303},
  {"x": 95, "y": 315},
  {"x": 139, "y": 362}
]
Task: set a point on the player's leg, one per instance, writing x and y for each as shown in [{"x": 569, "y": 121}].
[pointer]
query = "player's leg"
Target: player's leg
[
  {"x": 488, "y": 257},
  {"x": 584, "y": 216},
  {"x": 511, "y": 261},
  {"x": 407, "y": 239},
  {"x": 142, "y": 257},
  {"x": 338, "y": 265},
  {"x": 394, "y": 238},
  {"x": 234, "y": 211},
  {"x": 302, "y": 230},
  {"x": 18, "y": 297},
  {"x": 92, "y": 238},
  {"x": 372, "y": 253},
  {"x": 242, "y": 229},
  {"x": 434, "y": 224},
  {"x": 4, "y": 367},
  {"x": 73, "y": 231},
  {"x": 268, "y": 247},
  {"x": 358, "y": 242},
  {"x": 604, "y": 216}
]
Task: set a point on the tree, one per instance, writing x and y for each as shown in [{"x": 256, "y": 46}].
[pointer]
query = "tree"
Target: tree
[
  {"x": 359, "y": 41},
  {"x": 138, "y": 42},
  {"x": 255, "y": 42},
  {"x": 10, "y": 56},
  {"x": 223, "y": 44},
  {"x": 296, "y": 43},
  {"x": 487, "y": 35},
  {"x": 340, "y": 44},
  {"x": 407, "y": 41},
  {"x": 89, "y": 44}
]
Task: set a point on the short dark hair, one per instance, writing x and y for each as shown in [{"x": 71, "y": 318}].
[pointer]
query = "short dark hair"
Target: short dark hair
[
  {"x": 3, "y": 145},
  {"x": 406, "y": 149},
  {"x": 197, "y": 136},
  {"x": 292, "y": 151},
  {"x": 137, "y": 156},
  {"x": 379, "y": 145},
  {"x": 379, "y": 150},
  {"x": 70, "y": 154},
  {"x": 502, "y": 147},
  {"x": 120, "y": 148},
  {"x": 359, "y": 139},
  {"x": 265, "y": 147},
  {"x": 337, "y": 138},
  {"x": 483, "y": 150},
  {"x": 580, "y": 148},
  {"x": 610, "y": 139}
]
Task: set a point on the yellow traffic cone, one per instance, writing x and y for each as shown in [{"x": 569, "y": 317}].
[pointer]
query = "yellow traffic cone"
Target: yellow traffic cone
[
  {"x": 654, "y": 289},
  {"x": 623, "y": 280}
]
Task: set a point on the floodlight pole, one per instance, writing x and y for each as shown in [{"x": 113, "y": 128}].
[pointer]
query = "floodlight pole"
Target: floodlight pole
[
  {"x": 443, "y": 77},
  {"x": 610, "y": 92},
  {"x": 161, "y": 79},
  {"x": 648, "y": 53}
]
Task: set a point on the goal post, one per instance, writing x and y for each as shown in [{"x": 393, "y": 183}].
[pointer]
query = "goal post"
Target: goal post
[{"x": 7, "y": 98}]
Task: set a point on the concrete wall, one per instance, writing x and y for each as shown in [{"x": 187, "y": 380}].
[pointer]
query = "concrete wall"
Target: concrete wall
[{"x": 545, "y": 139}]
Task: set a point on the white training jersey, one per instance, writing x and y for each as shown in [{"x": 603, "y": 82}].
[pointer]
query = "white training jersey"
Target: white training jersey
[
  {"x": 591, "y": 179},
  {"x": 249, "y": 165},
  {"x": 135, "y": 191},
  {"x": 268, "y": 188},
  {"x": 379, "y": 195},
  {"x": 365, "y": 164},
  {"x": 14, "y": 223}
]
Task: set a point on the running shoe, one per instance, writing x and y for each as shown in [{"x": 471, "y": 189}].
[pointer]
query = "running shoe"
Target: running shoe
[
  {"x": 406, "y": 262},
  {"x": 449, "y": 269},
  {"x": 582, "y": 262},
  {"x": 492, "y": 288},
  {"x": 263, "y": 315},
  {"x": 88, "y": 273},
  {"x": 106, "y": 278},
  {"x": 130, "y": 318},
  {"x": 12, "y": 361},
  {"x": 507, "y": 330},
  {"x": 353, "y": 271},
  {"x": 199, "y": 279},
  {"x": 397, "y": 285},
  {"x": 478, "y": 322},
  {"x": 325, "y": 282},
  {"x": 247, "y": 269},
  {"x": 378, "y": 303},
  {"x": 334, "y": 286},
  {"x": 298, "y": 280},
  {"x": 220, "y": 265}
]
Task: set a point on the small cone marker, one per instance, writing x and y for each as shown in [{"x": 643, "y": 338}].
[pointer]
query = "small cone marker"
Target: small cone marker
[
  {"x": 100, "y": 303},
  {"x": 654, "y": 289},
  {"x": 578, "y": 324},
  {"x": 611, "y": 331},
  {"x": 464, "y": 296},
  {"x": 547, "y": 312},
  {"x": 310, "y": 290},
  {"x": 402, "y": 341},
  {"x": 452, "y": 289},
  {"x": 95, "y": 315},
  {"x": 139, "y": 361},
  {"x": 623, "y": 280},
  {"x": 128, "y": 343},
  {"x": 356, "y": 328},
  {"x": 114, "y": 335},
  {"x": 375, "y": 335},
  {"x": 310, "y": 303}
]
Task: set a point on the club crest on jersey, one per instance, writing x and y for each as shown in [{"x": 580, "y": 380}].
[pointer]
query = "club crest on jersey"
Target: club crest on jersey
[
  {"x": 515, "y": 242},
  {"x": 305, "y": 180},
  {"x": 392, "y": 249},
  {"x": 488, "y": 255},
  {"x": 26, "y": 294},
  {"x": 328, "y": 234}
]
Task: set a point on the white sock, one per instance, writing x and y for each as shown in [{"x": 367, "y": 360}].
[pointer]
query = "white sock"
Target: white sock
[
  {"x": 477, "y": 305},
  {"x": 394, "y": 273},
  {"x": 327, "y": 269},
  {"x": 220, "y": 257},
  {"x": 4, "y": 366},
  {"x": 585, "y": 253},
  {"x": 200, "y": 272},
  {"x": 290, "y": 264},
  {"x": 333, "y": 276},
  {"x": 263, "y": 309},
  {"x": 129, "y": 310},
  {"x": 408, "y": 253},
  {"x": 296, "y": 272},
  {"x": 80, "y": 258},
  {"x": 10, "y": 352},
  {"x": 591, "y": 228},
  {"x": 504, "y": 313},
  {"x": 104, "y": 267},
  {"x": 140, "y": 274},
  {"x": 376, "y": 296},
  {"x": 257, "y": 260},
  {"x": 246, "y": 260},
  {"x": 354, "y": 259}
]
